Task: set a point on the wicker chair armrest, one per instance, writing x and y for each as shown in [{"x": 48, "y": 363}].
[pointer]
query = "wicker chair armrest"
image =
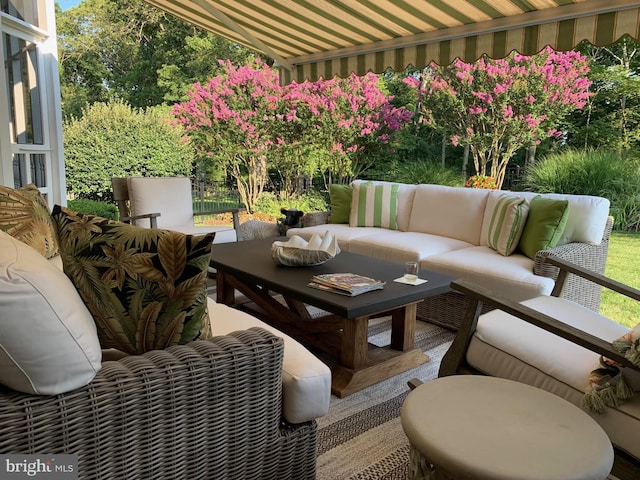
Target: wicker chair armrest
[
  {"x": 235, "y": 213},
  {"x": 189, "y": 407},
  {"x": 479, "y": 296},
  {"x": 312, "y": 219}
]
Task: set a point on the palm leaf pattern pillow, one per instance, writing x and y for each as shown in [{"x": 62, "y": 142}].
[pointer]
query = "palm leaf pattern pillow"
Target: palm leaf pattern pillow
[
  {"x": 146, "y": 288},
  {"x": 25, "y": 215}
]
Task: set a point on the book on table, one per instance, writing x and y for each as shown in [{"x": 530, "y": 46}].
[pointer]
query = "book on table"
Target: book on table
[{"x": 350, "y": 284}]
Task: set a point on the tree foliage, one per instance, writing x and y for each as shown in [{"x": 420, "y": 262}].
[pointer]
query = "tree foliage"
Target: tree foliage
[
  {"x": 245, "y": 122},
  {"x": 115, "y": 140},
  {"x": 499, "y": 106},
  {"x": 129, "y": 50}
]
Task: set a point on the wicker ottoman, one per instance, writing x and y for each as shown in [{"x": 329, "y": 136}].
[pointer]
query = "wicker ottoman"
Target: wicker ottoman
[{"x": 476, "y": 427}]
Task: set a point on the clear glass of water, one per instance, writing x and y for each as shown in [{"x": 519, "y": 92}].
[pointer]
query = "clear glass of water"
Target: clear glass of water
[{"x": 411, "y": 271}]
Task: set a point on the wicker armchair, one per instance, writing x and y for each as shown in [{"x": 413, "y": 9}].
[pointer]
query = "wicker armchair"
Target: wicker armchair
[{"x": 209, "y": 409}]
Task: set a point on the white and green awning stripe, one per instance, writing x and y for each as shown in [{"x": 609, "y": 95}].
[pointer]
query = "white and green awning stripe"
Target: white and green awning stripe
[{"x": 323, "y": 38}]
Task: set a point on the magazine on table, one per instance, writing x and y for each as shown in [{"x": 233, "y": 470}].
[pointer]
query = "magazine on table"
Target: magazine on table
[{"x": 350, "y": 284}]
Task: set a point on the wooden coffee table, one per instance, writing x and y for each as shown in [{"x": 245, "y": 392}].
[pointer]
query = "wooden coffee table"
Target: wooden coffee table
[{"x": 343, "y": 332}]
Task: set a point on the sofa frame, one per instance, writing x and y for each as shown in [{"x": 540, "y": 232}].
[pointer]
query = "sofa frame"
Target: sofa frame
[{"x": 448, "y": 309}]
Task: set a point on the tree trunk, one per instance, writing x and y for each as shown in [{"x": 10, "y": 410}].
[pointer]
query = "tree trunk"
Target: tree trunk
[{"x": 465, "y": 162}]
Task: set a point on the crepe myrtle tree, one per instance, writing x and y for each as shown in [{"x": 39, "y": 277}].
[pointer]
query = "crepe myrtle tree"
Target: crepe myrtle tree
[
  {"x": 247, "y": 123},
  {"x": 496, "y": 107}
]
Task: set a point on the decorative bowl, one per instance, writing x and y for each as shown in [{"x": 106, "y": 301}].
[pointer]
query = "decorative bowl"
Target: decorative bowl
[{"x": 297, "y": 252}]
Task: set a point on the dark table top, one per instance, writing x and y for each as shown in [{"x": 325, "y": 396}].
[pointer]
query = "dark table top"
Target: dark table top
[{"x": 251, "y": 262}]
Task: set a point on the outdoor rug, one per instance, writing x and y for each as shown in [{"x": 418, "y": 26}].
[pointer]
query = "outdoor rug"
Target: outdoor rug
[{"x": 361, "y": 436}]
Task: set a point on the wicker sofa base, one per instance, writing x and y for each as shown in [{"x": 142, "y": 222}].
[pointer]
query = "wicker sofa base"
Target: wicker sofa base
[{"x": 446, "y": 310}]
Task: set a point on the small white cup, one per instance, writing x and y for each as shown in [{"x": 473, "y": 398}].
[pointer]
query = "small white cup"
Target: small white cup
[{"x": 411, "y": 271}]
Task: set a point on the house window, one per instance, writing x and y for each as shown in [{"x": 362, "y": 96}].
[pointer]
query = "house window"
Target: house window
[
  {"x": 23, "y": 90},
  {"x": 27, "y": 109}
]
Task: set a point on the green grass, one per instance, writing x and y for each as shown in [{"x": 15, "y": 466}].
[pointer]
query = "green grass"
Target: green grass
[{"x": 623, "y": 265}]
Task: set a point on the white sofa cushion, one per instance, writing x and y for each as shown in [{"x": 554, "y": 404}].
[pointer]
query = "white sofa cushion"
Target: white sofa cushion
[
  {"x": 400, "y": 247},
  {"x": 306, "y": 381},
  {"x": 48, "y": 339},
  {"x": 505, "y": 346},
  {"x": 587, "y": 216},
  {"x": 343, "y": 233},
  {"x": 405, "y": 200},
  {"x": 511, "y": 276},
  {"x": 452, "y": 212}
]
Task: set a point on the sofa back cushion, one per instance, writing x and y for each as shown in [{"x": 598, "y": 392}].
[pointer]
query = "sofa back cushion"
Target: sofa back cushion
[
  {"x": 404, "y": 201},
  {"x": 585, "y": 223},
  {"x": 48, "y": 340},
  {"x": 452, "y": 212}
]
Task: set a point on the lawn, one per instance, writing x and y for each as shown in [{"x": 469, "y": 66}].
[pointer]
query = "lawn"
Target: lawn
[{"x": 623, "y": 264}]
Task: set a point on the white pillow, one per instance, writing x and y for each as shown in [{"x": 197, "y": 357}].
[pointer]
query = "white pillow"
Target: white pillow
[{"x": 48, "y": 339}]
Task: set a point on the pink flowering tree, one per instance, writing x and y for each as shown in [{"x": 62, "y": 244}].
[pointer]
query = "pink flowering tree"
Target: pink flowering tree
[
  {"x": 351, "y": 122},
  {"x": 229, "y": 120},
  {"x": 496, "y": 107},
  {"x": 244, "y": 120}
]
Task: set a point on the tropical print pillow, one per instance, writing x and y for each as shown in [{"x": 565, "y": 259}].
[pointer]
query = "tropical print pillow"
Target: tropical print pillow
[
  {"x": 146, "y": 288},
  {"x": 25, "y": 215}
]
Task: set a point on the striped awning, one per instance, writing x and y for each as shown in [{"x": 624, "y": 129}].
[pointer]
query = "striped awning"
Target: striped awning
[{"x": 322, "y": 38}]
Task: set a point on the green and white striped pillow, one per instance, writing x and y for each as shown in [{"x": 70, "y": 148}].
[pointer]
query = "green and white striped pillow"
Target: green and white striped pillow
[
  {"x": 507, "y": 223},
  {"x": 374, "y": 205}
]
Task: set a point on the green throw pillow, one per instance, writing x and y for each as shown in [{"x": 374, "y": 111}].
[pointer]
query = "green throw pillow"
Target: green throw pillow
[
  {"x": 144, "y": 287},
  {"x": 374, "y": 205},
  {"x": 25, "y": 215},
  {"x": 507, "y": 224},
  {"x": 545, "y": 225},
  {"x": 340, "y": 196}
]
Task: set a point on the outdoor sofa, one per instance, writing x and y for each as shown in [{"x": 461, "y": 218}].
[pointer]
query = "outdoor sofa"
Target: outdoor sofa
[
  {"x": 450, "y": 229},
  {"x": 237, "y": 401}
]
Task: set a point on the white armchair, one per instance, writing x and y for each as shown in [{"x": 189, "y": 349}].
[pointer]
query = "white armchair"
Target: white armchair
[
  {"x": 167, "y": 201},
  {"x": 551, "y": 343}
]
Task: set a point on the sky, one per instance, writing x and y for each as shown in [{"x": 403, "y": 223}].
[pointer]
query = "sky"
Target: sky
[{"x": 67, "y": 4}]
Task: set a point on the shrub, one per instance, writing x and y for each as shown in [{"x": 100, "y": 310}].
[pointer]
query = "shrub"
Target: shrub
[
  {"x": 309, "y": 201},
  {"x": 427, "y": 172},
  {"x": 602, "y": 173},
  {"x": 115, "y": 140},
  {"x": 93, "y": 207}
]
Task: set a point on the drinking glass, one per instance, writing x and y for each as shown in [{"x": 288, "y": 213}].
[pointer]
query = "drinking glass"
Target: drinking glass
[{"x": 411, "y": 271}]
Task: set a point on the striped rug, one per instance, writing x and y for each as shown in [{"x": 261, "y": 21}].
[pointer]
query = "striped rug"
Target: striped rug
[{"x": 361, "y": 436}]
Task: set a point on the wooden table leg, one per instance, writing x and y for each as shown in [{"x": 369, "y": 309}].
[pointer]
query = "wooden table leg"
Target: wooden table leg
[
  {"x": 355, "y": 343},
  {"x": 403, "y": 327},
  {"x": 225, "y": 293}
]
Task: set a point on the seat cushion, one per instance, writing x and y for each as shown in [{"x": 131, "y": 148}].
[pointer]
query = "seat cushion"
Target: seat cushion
[
  {"x": 25, "y": 215},
  {"x": 511, "y": 276},
  {"x": 48, "y": 340},
  {"x": 306, "y": 381},
  {"x": 146, "y": 288},
  {"x": 505, "y": 346},
  {"x": 342, "y": 232},
  {"x": 400, "y": 247}
]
